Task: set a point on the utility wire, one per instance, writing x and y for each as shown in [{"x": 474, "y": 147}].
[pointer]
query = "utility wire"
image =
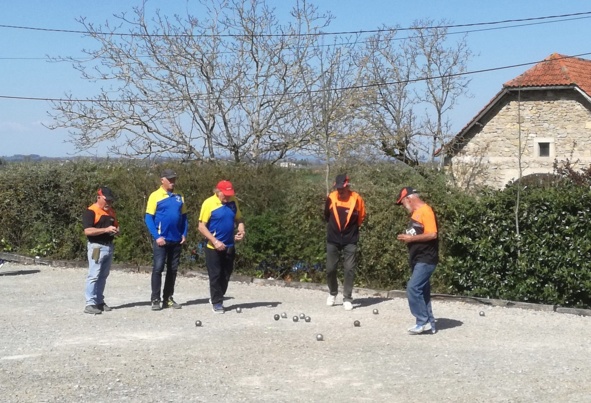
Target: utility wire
[
  {"x": 418, "y": 79},
  {"x": 359, "y": 32},
  {"x": 348, "y": 43}
]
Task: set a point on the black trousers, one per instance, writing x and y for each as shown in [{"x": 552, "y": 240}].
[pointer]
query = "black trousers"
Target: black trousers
[
  {"x": 220, "y": 266},
  {"x": 169, "y": 255},
  {"x": 333, "y": 254}
]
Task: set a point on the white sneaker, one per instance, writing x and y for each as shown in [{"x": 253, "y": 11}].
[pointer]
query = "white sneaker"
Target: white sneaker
[
  {"x": 330, "y": 301},
  {"x": 347, "y": 305},
  {"x": 416, "y": 329}
]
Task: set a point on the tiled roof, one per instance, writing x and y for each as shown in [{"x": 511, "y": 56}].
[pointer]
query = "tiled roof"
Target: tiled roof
[{"x": 556, "y": 69}]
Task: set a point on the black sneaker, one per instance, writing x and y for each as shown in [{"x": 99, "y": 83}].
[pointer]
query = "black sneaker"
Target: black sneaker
[
  {"x": 92, "y": 309},
  {"x": 156, "y": 305},
  {"x": 104, "y": 307},
  {"x": 170, "y": 303}
]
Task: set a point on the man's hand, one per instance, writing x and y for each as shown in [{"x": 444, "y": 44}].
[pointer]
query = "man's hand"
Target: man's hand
[
  {"x": 161, "y": 241},
  {"x": 112, "y": 230},
  {"x": 240, "y": 235},
  {"x": 404, "y": 238},
  {"x": 241, "y": 232},
  {"x": 219, "y": 245}
]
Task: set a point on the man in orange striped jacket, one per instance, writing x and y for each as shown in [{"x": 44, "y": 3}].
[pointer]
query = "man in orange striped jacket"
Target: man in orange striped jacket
[{"x": 344, "y": 213}]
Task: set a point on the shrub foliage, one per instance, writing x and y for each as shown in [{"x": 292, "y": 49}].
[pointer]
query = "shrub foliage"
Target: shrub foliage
[{"x": 482, "y": 252}]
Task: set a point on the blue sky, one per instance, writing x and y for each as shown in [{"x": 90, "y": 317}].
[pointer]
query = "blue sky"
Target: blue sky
[{"x": 24, "y": 72}]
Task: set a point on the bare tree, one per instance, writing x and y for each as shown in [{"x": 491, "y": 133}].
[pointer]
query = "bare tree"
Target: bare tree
[
  {"x": 441, "y": 69},
  {"x": 330, "y": 100},
  {"x": 222, "y": 85},
  {"x": 388, "y": 67}
]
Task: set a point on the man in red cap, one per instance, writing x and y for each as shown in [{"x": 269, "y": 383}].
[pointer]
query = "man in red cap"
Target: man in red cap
[
  {"x": 218, "y": 219},
  {"x": 100, "y": 227},
  {"x": 423, "y": 248},
  {"x": 344, "y": 213}
]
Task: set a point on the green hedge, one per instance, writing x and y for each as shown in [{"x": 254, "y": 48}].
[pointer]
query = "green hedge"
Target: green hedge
[
  {"x": 481, "y": 254},
  {"x": 548, "y": 262}
]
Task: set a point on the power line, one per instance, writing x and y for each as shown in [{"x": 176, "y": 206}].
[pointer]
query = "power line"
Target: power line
[
  {"x": 418, "y": 79},
  {"x": 359, "y": 32},
  {"x": 86, "y": 59}
]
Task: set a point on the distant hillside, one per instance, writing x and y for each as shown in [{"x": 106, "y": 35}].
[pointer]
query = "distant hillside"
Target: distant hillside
[
  {"x": 37, "y": 158},
  {"x": 21, "y": 157}
]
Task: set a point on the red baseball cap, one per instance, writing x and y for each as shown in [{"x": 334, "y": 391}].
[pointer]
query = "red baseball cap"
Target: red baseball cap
[{"x": 226, "y": 188}]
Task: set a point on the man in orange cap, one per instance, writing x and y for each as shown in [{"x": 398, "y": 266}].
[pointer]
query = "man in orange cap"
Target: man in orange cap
[
  {"x": 218, "y": 219},
  {"x": 100, "y": 227},
  {"x": 423, "y": 248}
]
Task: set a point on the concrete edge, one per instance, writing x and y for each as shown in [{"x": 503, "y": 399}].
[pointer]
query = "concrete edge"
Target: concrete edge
[
  {"x": 574, "y": 311},
  {"x": 310, "y": 286},
  {"x": 499, "y": 302}
]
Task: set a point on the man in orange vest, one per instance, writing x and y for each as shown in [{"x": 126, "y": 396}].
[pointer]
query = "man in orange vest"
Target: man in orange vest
[
  {"x": 100, "y": 227},
  {"x": 344, "y": 213}
]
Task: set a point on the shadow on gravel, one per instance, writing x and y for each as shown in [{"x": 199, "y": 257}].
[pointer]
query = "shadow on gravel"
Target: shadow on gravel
[
  {"x": 444, "y": 323},
  {"x": 200, "y": 301},
  {"x": 252, "y": 305},
  {"x": 19, "y": 272},
  {"x": 361, "y": 302},
  {"x": 197, "y": 301},
  {"x": 132, "y": 304}
]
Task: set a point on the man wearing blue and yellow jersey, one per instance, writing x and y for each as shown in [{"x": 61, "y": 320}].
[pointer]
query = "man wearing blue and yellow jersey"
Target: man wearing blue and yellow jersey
[
  {"x": 219, "y": 217},
  {"x": 100, "y": 227},
  {"x": 166, "y": 219}
]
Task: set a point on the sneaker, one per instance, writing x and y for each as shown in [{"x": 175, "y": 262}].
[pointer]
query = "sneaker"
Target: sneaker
[
  {"x": 156, "y": 305},
  {"x": 347, "y": 305},
  {"x": 92, "y": 309},
  {"x": 218, "y": 308},
  {"x": 104, "y": 307},
  {"x": 170, "y": 303},
  {"x": 416, "y": 329},
  {"x": 331, "y": 300}
]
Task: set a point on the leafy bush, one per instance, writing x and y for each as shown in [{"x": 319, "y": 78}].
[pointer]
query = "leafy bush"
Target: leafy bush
[
  {"x": 482, "y": 253},
  {"x": 546, "y": 262}
]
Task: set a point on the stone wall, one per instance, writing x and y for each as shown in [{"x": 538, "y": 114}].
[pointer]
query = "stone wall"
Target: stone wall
[{"x": 561, "y": 119}]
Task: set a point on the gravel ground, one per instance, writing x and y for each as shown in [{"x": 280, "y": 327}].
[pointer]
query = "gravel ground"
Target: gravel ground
[{"x": 52, "y": 352}]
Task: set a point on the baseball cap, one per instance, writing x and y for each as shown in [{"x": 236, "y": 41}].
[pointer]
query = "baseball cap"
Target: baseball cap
[
  {"x": 106, "y": 193},
  {"x": 168, "y": 174},
  {"x": 405, "y": 191},
  {"x": 341, "y": 181},
  {"x": 226, "y": 188}
]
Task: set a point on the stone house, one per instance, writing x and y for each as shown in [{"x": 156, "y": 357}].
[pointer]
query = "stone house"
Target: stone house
[{"x": 541, "y": 116}]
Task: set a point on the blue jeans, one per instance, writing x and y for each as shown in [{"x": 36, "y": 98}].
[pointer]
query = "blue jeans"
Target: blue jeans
[
  {"x": 418, "y": 292},
  {"x": 333, "y": 253},
  {"x": 98, "y": 273},
  {"x": 169, "y": 255}
]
